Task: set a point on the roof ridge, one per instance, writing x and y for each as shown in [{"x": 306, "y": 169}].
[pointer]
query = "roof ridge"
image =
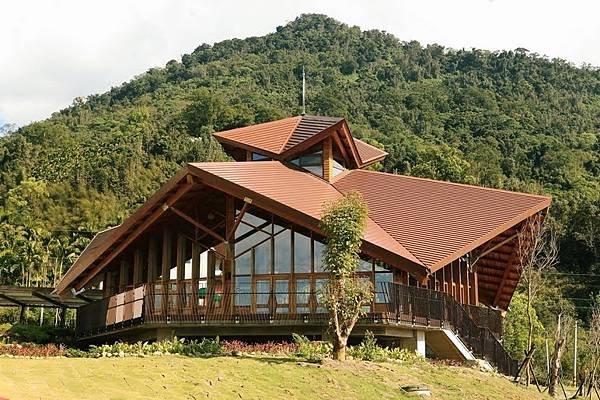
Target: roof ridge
[
  {"x": 539, "y": 196},
  {"x": 285, "y": 142}
]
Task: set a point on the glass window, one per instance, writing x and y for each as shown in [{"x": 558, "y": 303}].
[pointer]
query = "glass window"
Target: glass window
[
  {"x": 338, "y": 167},
  {"x": 319, "y": 285},
  {"x": 302, "y": 259},
  {"x": 263, "y": 292},
  {"x": 250, "y": 241},
  {"x": 259, "y": 157},
  {"x": 243, "y": 264},
  {"x": 379, "y": 267},
  {"x": 318, "y": 256},
  {"x": 381, "y": 287},
  {"x": 311, "y": 161},
  {"x": 283, "y": 253},
  {"x": 262, "y": 258},
  {"x": 365, "y": 265},
  {"x": 243, "y": 288},
  {"x": 282, "y": 295},
  {"x": 302, "y": 296}
]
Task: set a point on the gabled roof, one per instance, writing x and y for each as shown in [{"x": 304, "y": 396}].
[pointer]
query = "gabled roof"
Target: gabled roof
[
  {"x": 302, "y": 193},
  {"x": 438, "y": 221},
  {"x": 419, "y": 224},
  {"x": 282, "y": 138}
]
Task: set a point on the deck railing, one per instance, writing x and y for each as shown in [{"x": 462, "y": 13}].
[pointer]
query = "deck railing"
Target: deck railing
[{"x": 195, "y": 302}]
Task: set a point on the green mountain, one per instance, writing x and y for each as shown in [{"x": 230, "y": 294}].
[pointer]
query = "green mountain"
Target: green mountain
[{"x": 510, "y": 119}]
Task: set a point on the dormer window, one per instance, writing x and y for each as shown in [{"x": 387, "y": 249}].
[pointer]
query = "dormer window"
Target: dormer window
[
  {"x": 260, "y": 157},
  {"x": 312, "y": 161}
]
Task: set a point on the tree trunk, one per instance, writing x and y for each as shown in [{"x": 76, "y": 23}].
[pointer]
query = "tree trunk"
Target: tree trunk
[
  {"x": 554, "y": 368},
  {"x": 339, "y": 347},
  {"x": 529, "y": 337}
]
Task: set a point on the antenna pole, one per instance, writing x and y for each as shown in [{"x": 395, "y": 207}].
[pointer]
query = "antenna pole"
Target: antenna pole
[{"x": 303, "y": 91}]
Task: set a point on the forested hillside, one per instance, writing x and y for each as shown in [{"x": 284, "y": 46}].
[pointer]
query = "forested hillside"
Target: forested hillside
[{"x": 511, "y": 120}]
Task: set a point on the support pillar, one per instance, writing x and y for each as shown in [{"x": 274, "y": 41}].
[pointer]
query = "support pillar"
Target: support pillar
[
  {"x": 420, "y": 338},
  {"x": 152, "y": 260},
  {"x": 181, "y": 251},
  {"x": 22, "y": 314},
  {"x": 137, "y": 267},
  {"x": 63, "y": 317},
  {"x": 123, "y": 276},
  {"x": 167, "y": 255}
]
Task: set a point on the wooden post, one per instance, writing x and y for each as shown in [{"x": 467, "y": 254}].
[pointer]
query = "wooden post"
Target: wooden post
[
  {"x": 181, "y": 251},
  {"x": 63, "y": 316},
  {"x": 122, "y": 276},
  {"x": 195, "y": 261},
  {"x": 22, "y": 314},
  {"x": 327, "y": 159},
  {"x": 229, "y": 249},
  {"x": 167, "y": 254},
  {"x": 152, "y": 260},
  {"x": 107, "y": 283},
  {"x": 137, "y": 267}
]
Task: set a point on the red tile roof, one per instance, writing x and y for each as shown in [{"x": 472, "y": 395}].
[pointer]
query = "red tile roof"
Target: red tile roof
[
  {"x": 368, "y": 153},
  {"x": 302, "y": 192},
  {"x": 269, "y": 136},
  {"x": 282, "y": 137},
  {"x": 438, "y": 221}
]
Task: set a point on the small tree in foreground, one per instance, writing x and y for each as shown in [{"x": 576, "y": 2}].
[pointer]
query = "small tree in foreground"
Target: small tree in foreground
[{"x": 344, "y": 295}]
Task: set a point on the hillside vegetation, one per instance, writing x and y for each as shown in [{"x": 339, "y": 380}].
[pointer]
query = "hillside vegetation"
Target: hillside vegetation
[
  {"x": 510, "y": 119},
  {"x": 176, "y": 377}
]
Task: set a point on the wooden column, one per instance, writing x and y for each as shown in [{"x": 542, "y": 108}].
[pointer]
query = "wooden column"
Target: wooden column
[
  {"x": 475, "y": 288},
  {"x": 137, "y": 267},
  {"x": 465, "y": 280},
  {"x": 123, "y": 275},
  {"x": 107, "y": 283},
  {"x": 327, "y": 159},
  {"x": 229, "y": 249},
  {"x": 195, "y": 261},
  {"x": 181, "y": 249},
  {"x": 152, "y": 260},
  {"x": 167, "y": 254}
]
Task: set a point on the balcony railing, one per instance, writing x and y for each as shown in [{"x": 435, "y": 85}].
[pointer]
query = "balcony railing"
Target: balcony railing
[{"x": 195, "y": 302}]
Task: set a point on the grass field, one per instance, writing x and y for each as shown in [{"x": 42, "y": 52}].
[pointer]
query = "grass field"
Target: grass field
[{"x": 175, "y": 377}]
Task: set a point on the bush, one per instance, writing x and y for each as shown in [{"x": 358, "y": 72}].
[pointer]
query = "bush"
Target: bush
[
  {"x": 192, "y": 348},
  {"x": 311, "y": 350},
  {"x": 274, "y": 348},
  {"x": 32, "y": 350},
  {"x": 368, "y": 350},
  {"x": 39, "y": 334}
]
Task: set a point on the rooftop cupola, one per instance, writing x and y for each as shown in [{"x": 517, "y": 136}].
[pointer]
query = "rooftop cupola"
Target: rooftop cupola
[{"x": 322, "y": 146}]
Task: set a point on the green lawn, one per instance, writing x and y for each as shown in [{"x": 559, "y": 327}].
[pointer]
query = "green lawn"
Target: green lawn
[{"x": 175, "y": 377}]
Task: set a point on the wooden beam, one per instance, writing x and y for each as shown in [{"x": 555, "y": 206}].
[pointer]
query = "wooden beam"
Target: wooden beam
[
  {"x": 48, "y": 299},
  {"x": 505, "y": 275},
  {"x": 135, "y": 233},
  {"x": 14, "y": 301},
  {"x": 327, "y": 159},
  {"x": 123, "y": 275},
  {"x": 238, "y": 220},
  {"x": 152, "y": 259},
  {"x": 338, "y": 142},
  {"x": 196, "y": 223},
  {"x": 488, "y": 251}
]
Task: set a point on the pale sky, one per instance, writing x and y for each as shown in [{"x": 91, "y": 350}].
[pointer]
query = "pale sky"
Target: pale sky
[{"x": 52, "y": 51}]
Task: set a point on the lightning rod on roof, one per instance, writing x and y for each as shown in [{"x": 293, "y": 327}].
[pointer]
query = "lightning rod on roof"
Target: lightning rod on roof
[{"x": 303, "y": 91}]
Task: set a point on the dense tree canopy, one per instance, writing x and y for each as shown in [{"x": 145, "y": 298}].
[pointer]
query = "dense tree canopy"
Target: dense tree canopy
[{"x": 509, "y": 119}]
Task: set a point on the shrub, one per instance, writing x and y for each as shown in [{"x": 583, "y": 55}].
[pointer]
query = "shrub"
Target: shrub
[
  {"x": 274, "y": 348},
  {"x": 32, "y": 350},
  {"x": 39, "y": 334},
  {"x": 192, "y": 348},
  {"x": 368, "y": 350},
  {"x": 311, "y": 350}
]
